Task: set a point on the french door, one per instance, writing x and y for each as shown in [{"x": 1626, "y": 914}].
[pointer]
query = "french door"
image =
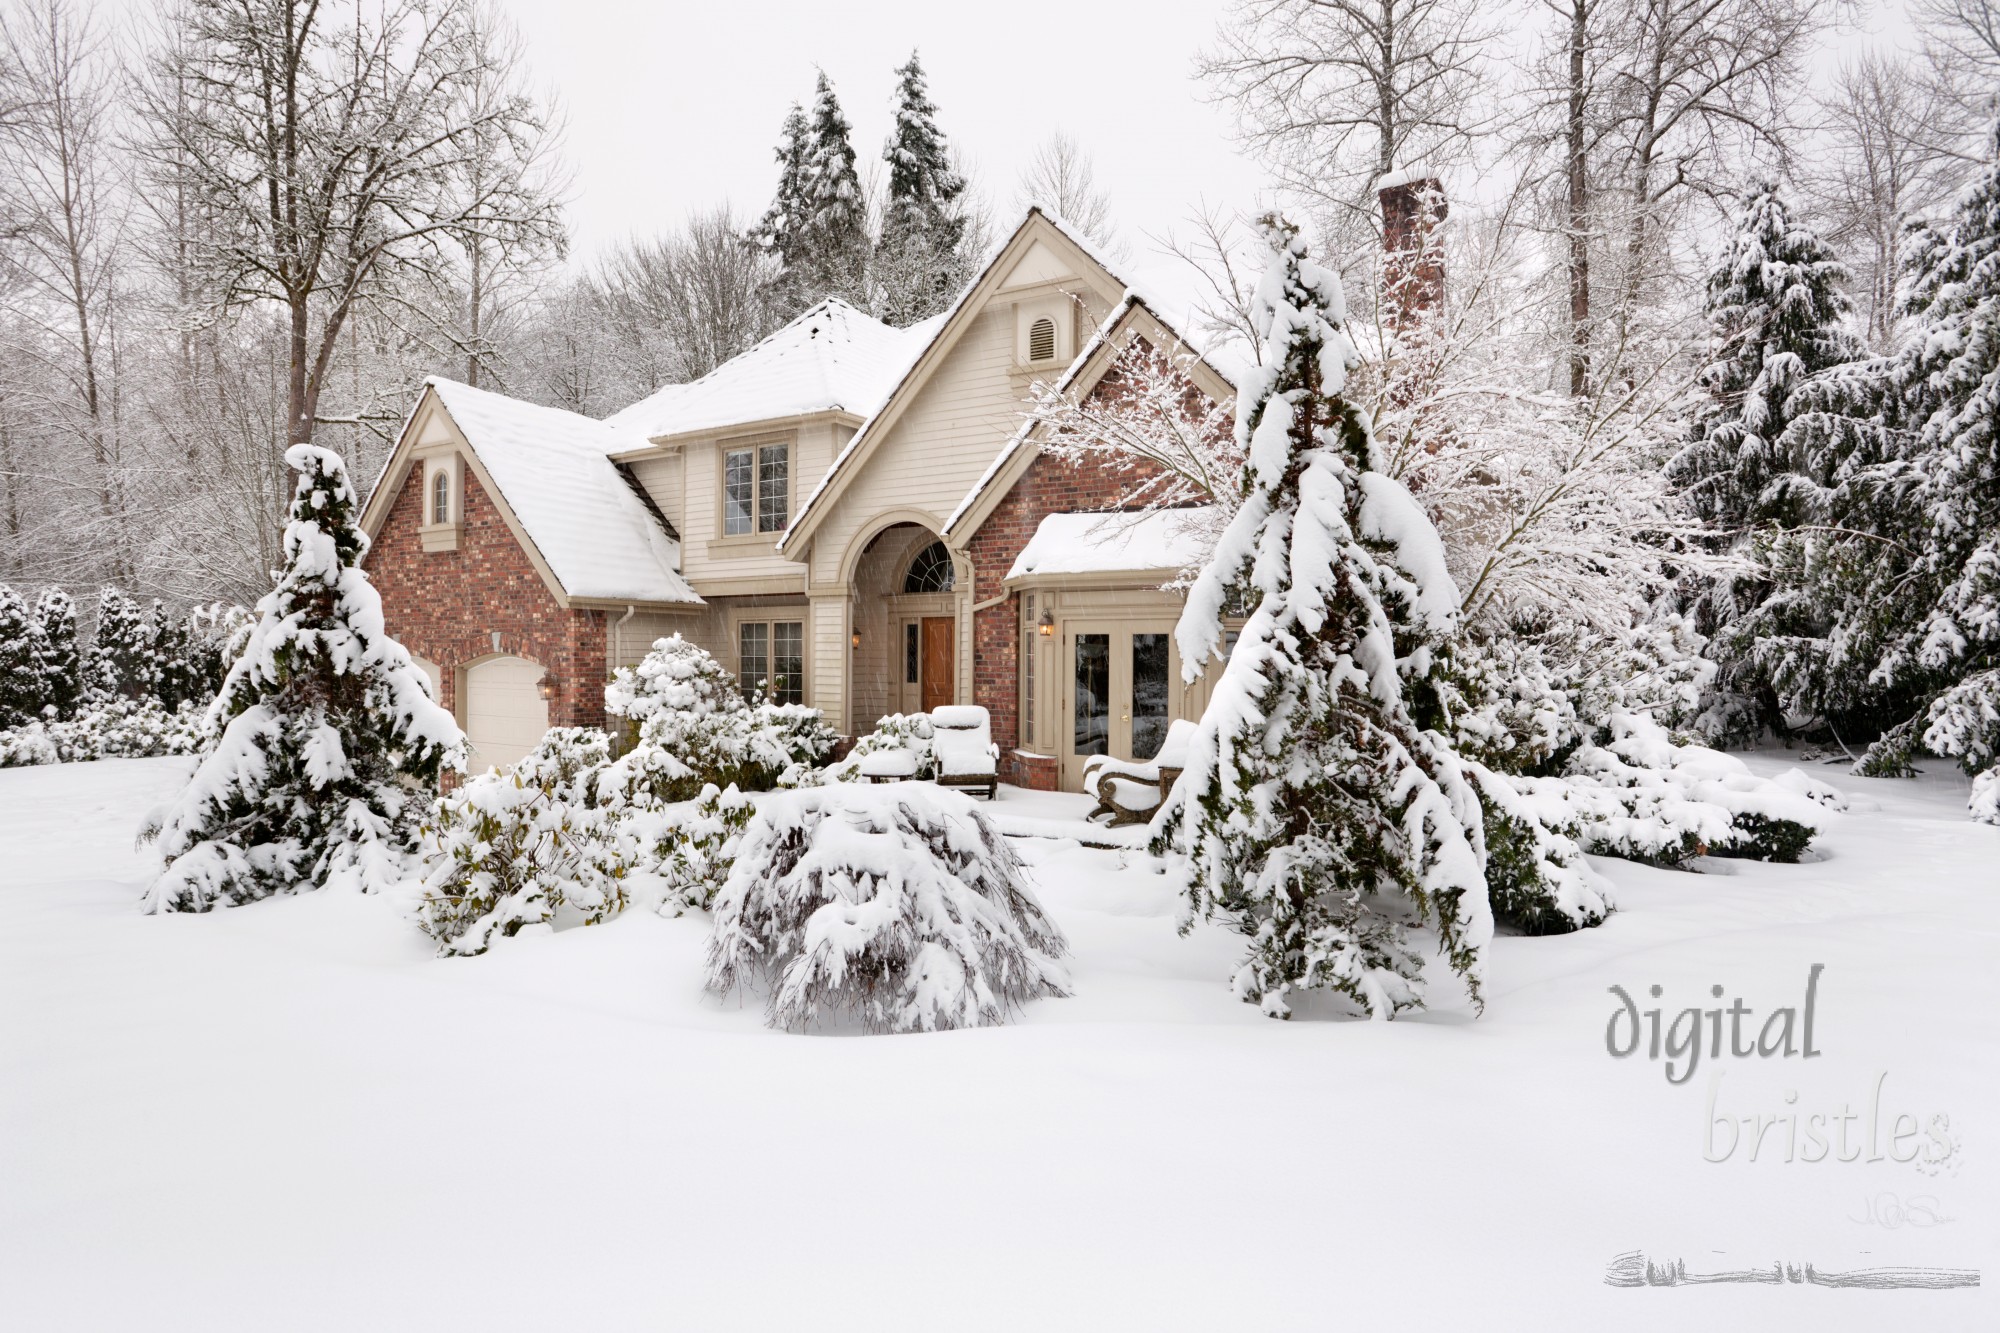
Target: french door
[{"x": 1118, "y": 692}]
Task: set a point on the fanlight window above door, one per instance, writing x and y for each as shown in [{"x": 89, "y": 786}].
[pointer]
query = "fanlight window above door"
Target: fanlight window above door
[{"x": 931, "y": 571}]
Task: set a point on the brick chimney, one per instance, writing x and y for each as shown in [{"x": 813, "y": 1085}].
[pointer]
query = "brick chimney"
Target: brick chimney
[{"x": 1413, "y": 206}]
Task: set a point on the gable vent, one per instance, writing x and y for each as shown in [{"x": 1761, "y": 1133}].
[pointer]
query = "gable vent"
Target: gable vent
[{"x": 1042, "y": 340}]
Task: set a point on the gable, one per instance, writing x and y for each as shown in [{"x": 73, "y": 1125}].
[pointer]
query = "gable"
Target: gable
[
  {"x": 976, "y": 400},
  {"x": 1038, "y": 265},
  {"x": 578, "y": 518}
]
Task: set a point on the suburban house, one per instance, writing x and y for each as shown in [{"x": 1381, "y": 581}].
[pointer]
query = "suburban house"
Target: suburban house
[{"x": 847, "y": 515}]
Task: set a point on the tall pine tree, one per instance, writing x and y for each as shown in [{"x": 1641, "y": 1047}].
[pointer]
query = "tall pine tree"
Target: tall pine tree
[
  {"x": 1777, "y": 319},
  {"x": 833, "y": 245},
  {"x": 1316, "y": 815},
  {"x": 919, "y": 262},
  {"x": 782, "y": 232},
  {"x": 59, "y": 661},
  {"x": 330, "y": 743}
]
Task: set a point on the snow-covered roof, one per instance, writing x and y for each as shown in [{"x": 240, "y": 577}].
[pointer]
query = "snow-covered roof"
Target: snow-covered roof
[
  {"x": 1096, "y": 542},
  {"x": 831, "y": 358},
  {"x": 553, "y": 471}
]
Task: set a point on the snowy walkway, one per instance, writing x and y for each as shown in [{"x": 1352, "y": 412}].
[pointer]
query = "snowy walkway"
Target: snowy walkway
[{"x": 289, "y": 1116}]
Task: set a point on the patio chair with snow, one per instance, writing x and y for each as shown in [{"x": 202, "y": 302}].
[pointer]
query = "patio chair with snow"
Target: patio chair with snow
[
  {"x": 1128, "y": 791},
  {"x": 962, "y": 741}
]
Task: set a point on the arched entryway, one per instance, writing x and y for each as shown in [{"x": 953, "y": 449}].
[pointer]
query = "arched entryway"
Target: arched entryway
[
  {"x": 504, "y": 713},
  {"x": 906, "y": 624}
]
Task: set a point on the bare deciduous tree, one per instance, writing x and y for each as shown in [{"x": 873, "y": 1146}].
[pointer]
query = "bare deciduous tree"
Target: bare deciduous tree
[
  {"x": 1339, "y": 93},
  {"x": 64, "y": 230},
  {"x": 1060, "y": 178},
  {"x": 329, "y": 163}
]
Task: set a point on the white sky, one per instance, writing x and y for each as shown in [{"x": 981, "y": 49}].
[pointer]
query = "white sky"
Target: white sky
[{"x": 674, "y": 107}]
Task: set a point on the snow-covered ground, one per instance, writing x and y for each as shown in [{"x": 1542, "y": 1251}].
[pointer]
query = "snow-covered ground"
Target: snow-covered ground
[{"x": 291, "y": 1116}]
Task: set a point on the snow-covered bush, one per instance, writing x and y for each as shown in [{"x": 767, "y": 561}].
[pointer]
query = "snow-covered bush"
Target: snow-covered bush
[
  {"x": 1985, "y": 802},
  {"x": 1536, "y": 876},
  {"x": 801, "y": 734},
  {"x": 898, "y": 733},
  {"x": 511, "y": 848},
  {"x": 1646, "y": 797},
  {"x": 899, "y": 906},
  {"x": 1316, "y": 815},
  {"x": 698, "y": 849},
  {"x": 114, "y": 729},
  {"x": 688, "y": 705},
  {"x": 329, "y": 744}
]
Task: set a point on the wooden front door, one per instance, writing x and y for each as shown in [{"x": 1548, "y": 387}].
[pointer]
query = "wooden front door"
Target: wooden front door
[{"x": 940, "y": 662}]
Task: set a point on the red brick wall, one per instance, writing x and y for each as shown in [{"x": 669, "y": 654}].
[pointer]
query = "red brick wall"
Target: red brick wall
[
  {"x": 445, "y": 605},
  {"x": 1048, "y": 486}
]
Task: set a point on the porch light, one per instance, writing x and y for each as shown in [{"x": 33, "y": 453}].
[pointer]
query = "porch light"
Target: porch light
[
  {"x": 854, "y": 639},
  {"x": 1046, "y": 626},
  {"x": 546, "y": 686}
]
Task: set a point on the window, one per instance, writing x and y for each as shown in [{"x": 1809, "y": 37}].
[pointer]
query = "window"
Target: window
[
  {"x": 441, "y": 495},
  {"x": 912, "y": 653},
  {"x": 771, "y": 661},
  {"x": 756, "y": 489},
  {"x": 1042, "y": 340},
  {"x": 736, "y": 492},
  {"x": 931, "y": 571},
  {"x": 1028, "y": 672},
  {"x": 774, "y": 490}
]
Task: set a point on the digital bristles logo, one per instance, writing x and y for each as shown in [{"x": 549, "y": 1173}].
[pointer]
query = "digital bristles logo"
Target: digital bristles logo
[{"x": 1868, "y": 1130}]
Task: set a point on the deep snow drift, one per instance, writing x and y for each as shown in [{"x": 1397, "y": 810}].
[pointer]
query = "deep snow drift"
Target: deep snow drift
[{"x": 291, "y": 1115}]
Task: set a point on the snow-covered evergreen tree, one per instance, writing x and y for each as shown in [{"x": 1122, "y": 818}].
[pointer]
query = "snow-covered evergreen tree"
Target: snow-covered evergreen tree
[
  {"x": 179, "y": 667},
  {"x": 1778, "y": 317},
  {"x": 21, "y": 690},
  {"x": 60, "y": 663},
  {"x": 1887, "y": 617},
  {"x": 782, "y": 232},
  {"x": 832, "y": 245},
  {"x": 330, "y": 744},
  {"x": 901, "y": 907},
  {"x": 119, "y": 663},
  {"x": 919, "y": 263},
  {"x": 1317, "y": 815}
]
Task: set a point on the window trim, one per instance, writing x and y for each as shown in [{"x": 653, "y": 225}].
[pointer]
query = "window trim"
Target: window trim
[{"x": 435, "y": 535}]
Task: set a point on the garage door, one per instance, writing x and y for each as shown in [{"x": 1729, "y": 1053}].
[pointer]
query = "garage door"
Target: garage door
[{"x": 505, "y": 714}]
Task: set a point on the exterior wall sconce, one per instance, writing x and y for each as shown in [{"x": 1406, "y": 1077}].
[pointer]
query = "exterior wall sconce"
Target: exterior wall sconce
[
  {"x": 546, "y": 686},
  {"x": 854, "y": 640},
  {"x": 1046, "y": 626}
]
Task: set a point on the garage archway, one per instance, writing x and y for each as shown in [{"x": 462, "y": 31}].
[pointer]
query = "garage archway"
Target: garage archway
[{"x": 505, "y": 713}]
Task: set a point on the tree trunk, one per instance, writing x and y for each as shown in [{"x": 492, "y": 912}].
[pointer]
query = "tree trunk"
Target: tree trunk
[{"x": 1578, "y": 211}]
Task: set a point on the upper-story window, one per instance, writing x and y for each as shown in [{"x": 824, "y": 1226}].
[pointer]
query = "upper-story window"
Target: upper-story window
[
  {"x": 756, "y": 489},
  {"x": 441, "y": 495}
]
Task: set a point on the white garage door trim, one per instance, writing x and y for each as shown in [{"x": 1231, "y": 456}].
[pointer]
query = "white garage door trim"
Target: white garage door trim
[{"x": 505, "y": 714}]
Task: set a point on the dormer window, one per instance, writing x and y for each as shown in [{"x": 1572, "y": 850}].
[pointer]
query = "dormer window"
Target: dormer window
[
  {"x": 1042, "y": 340},
  {"x": 441, "y": 496}
]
